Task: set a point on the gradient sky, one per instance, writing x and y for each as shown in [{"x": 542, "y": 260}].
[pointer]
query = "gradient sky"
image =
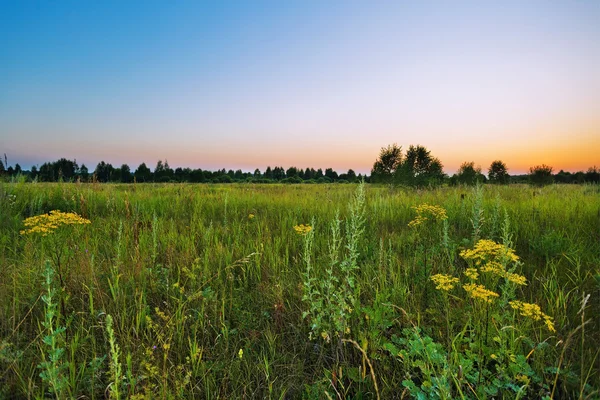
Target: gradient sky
[{"x": 303, "y": 83}]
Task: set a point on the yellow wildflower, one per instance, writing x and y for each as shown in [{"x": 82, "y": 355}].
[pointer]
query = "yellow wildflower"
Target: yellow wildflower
[
  {"x": 515, "y": 278},
  {"x": 472, "y": 273},
  {"x": 427, "y": 212},
  {"x": 48, "y": 223},
  {"x": 302, "y": 229},
  {"x": 487, "y": 250},
  {"x": 534, "y": 312},
  {"x": 444, "y": 282},
  {"x": 522, "y": 378},
  {"x": 250, "y": 216},
  {"x": 493, "y": 267},
  {"x": 479, "y": 292},
  {"x": 240, "y": 353}
]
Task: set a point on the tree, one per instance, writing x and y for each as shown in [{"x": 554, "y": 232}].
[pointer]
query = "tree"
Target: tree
[
  {"x": 541, "y": 175},
  {"x": 351, "y": 175},
  {"x": 83, "y": 173},
  {"x": 331, "y": 174},
  {"x": 468, "y": 174},
  {"x": 103, "y": 171},
  {"x": 592, "y": 175},
  {"x": 125, "y": 174},
  {"x": 65, "y": 169},
  {"x": 47, "y": 173},
  {"x": 269, "y": 173},
  {"x": 18, "y": 169},
  {"x": 34, "y": 172},
  {"x": 291, "y": 172},
  {"x": 419, "y": 168},
  {"x": 142, "y": 173},
  {"x": 498, "y": 173},
  {"x": 386, "y": 165}
]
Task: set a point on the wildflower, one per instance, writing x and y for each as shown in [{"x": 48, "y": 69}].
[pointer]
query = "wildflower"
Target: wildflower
[
  {"x": 522, "y": 378},
  {"x": 250, "y": 216},
  {"x": 493, "y": 267},
  {"x": 302, "y": 229},
  {"x": 479, "y": 292},
  {"x": 46, "y": 224},
  {"x": 472, "y": 273},
  {"x": 240, "y": 353},
  {"x": 515, "y": 278},
  {"x": 427, "y": 212},
  {"x": 487, "y": 250},
  {"x": 534, "y": 312},
  {"x": 444, "y": 282}
]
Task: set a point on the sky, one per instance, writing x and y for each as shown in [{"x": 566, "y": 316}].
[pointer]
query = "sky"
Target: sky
[{"x": 247, "y": 84}]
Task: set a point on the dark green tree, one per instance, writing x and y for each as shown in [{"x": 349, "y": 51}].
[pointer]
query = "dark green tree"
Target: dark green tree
[
  {"x": 592, "y": 175},
  {"x": 331, "y": 174},
  {"x": 125, "y": 174},
  {"x": 83, "y": 173},
  {"x": 143, "y": 173},
  {"x": 384, "y": 168},
  {"x": 468, "y": 174},
  {"x": 498, "y": 173},
  {"x": 351, "y": 175},
  {"x": 34, "y": 172},
  {"x": 419, "y": 168},
  {"x": 291, "y": 172},
  {"x": 103, "y": 171},
  {"x": 541, "y": 175}
]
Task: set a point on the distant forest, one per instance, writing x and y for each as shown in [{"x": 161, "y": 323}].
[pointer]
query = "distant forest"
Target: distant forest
[{"x": 416, "y": 168}]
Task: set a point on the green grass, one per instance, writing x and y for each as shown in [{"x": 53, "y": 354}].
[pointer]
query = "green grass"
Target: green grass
[{"x": 189, "y": 279}]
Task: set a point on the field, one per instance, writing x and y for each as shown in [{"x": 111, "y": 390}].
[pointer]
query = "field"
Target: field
[{"x": 299, "y": 291}]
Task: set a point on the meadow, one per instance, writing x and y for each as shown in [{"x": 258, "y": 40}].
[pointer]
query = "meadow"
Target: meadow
[{"x": 248, "y": 291}]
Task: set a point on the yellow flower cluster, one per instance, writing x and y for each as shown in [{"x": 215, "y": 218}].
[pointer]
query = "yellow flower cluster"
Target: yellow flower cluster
[
  {"x": 48, "y": 223},
  {"x": 302, "y": 229},
  {"x": 515, "y": 278},
  {"x": 427, "y": 212},
  {"x": 444, "y": 282},
  {"x": 534, "y": 312},
  {"x": 250, "y": 216},
  {"x": 487, "y": 250},
  {"x": 487, "y": 255},
  {"x": 479, "y": 292},
  {"x": 472, "y": 273}
]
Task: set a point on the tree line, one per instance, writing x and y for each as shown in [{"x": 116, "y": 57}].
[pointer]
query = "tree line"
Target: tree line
[
  {"x": 69, "y": 171},
  {"x": 419, "y": 168},
  {"x": 415, "y": 167}
]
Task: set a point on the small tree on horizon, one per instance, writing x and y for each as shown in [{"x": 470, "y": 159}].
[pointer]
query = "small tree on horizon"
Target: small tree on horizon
[
  {"x": 468, "y": 174},
  {"x": 384, "y": 168},
  {"x": 541, "y": 175},
  {"x": 498, "y": 172}
]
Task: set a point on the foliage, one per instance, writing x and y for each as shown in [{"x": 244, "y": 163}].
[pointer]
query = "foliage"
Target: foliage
[
  {"x": 331, "y": 298},
  {"x": 541, "y": 175},
  {"x": 468, "y": 174},
  {"x": 390, "y": 158},
  {"x": 206, "y": 286},
  {"x": 498, "y": 172}
]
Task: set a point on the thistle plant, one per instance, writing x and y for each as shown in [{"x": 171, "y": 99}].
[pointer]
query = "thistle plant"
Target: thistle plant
[
  {"x": 53, "y": 367},
  {"x": 332, "y": 298},
  {"x": 115, "y": 366}
]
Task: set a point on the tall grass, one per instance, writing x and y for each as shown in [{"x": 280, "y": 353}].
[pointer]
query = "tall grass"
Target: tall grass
[{"x": 200, "y": 291}]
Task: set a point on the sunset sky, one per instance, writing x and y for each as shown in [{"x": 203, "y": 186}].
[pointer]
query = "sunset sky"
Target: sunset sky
[{"x": 300, "y": 83}]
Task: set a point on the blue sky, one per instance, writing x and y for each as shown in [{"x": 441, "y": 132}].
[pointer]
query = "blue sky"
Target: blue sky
[{"x": 319, "y": 84}]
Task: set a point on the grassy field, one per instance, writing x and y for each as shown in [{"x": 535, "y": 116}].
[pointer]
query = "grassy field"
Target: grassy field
[{"x": 299, "y": 291}]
